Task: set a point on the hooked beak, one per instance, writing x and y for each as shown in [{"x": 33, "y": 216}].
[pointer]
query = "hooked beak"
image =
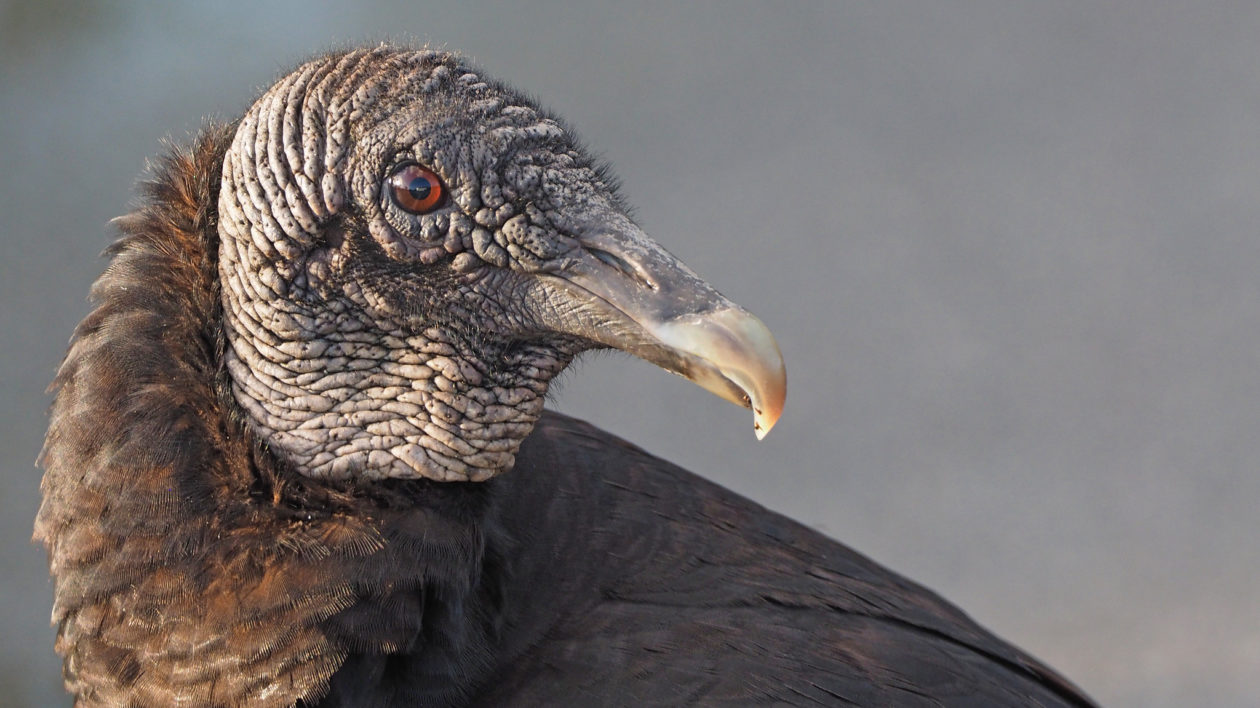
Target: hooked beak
[{"x": 626, "y": 292}]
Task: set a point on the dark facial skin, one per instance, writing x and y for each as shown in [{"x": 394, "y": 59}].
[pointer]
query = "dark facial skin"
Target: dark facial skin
[
  {"x": 378, "y": 330},
  {"x": 381, "y": 334}
]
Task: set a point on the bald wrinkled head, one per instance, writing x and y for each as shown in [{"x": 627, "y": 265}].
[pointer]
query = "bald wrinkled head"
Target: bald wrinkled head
[{"x": 410, "y": 252}]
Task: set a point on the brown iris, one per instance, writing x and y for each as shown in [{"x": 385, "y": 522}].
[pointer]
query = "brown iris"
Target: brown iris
[{"x": 415, "y": 188}]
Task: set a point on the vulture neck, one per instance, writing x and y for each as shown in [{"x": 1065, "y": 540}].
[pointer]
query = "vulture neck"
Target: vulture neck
[{"x": 180, "y": 544}]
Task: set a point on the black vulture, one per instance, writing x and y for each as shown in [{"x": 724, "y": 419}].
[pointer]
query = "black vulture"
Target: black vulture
[{"x": 298, "y": 454}]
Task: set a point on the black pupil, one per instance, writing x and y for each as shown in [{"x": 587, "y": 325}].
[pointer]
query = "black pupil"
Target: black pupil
[{"x": 420, "y": 187}]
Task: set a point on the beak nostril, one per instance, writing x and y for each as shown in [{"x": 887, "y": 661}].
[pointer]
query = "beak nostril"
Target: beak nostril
[
  {"x": 620, "y": 265},
  {"x": 609, "y": 259}
]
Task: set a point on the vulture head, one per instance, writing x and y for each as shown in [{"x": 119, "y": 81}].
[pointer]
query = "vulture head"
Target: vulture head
[{"x": 410, "y": 252}]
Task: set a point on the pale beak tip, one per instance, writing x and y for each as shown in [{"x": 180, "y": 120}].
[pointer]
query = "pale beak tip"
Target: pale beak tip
[
  {"x": 767, "y": 413},
  {"x": 763, "y": 423},
  {"x": 730, "y": 353},
  {"x": 761, "y": 430}
]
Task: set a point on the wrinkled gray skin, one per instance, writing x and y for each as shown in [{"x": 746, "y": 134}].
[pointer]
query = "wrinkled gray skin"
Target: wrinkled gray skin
[{"x": 369, "y": 341}]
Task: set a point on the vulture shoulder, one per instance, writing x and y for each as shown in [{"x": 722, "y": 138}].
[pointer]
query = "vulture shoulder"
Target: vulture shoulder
[{"x": 676, "y": 591}]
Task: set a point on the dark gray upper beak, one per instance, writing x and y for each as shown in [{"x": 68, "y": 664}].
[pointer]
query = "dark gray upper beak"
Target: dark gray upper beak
[{"x": 626, "y": 292}]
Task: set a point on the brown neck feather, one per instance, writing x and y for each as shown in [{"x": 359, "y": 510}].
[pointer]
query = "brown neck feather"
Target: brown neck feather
[{"x": 179, "y": 544}]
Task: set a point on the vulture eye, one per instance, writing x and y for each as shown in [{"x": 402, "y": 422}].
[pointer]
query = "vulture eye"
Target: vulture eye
[{"x": 416, "y": 189}]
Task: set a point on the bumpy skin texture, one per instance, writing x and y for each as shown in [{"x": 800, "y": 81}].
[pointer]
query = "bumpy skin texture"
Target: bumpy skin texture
[
  {"x": 210, "y": 547},
  {"x": 357, "y": 330}
]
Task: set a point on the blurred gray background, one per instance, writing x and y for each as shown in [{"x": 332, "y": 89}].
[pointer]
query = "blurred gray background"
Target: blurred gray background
[{"x": 1011, "y": 251}]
